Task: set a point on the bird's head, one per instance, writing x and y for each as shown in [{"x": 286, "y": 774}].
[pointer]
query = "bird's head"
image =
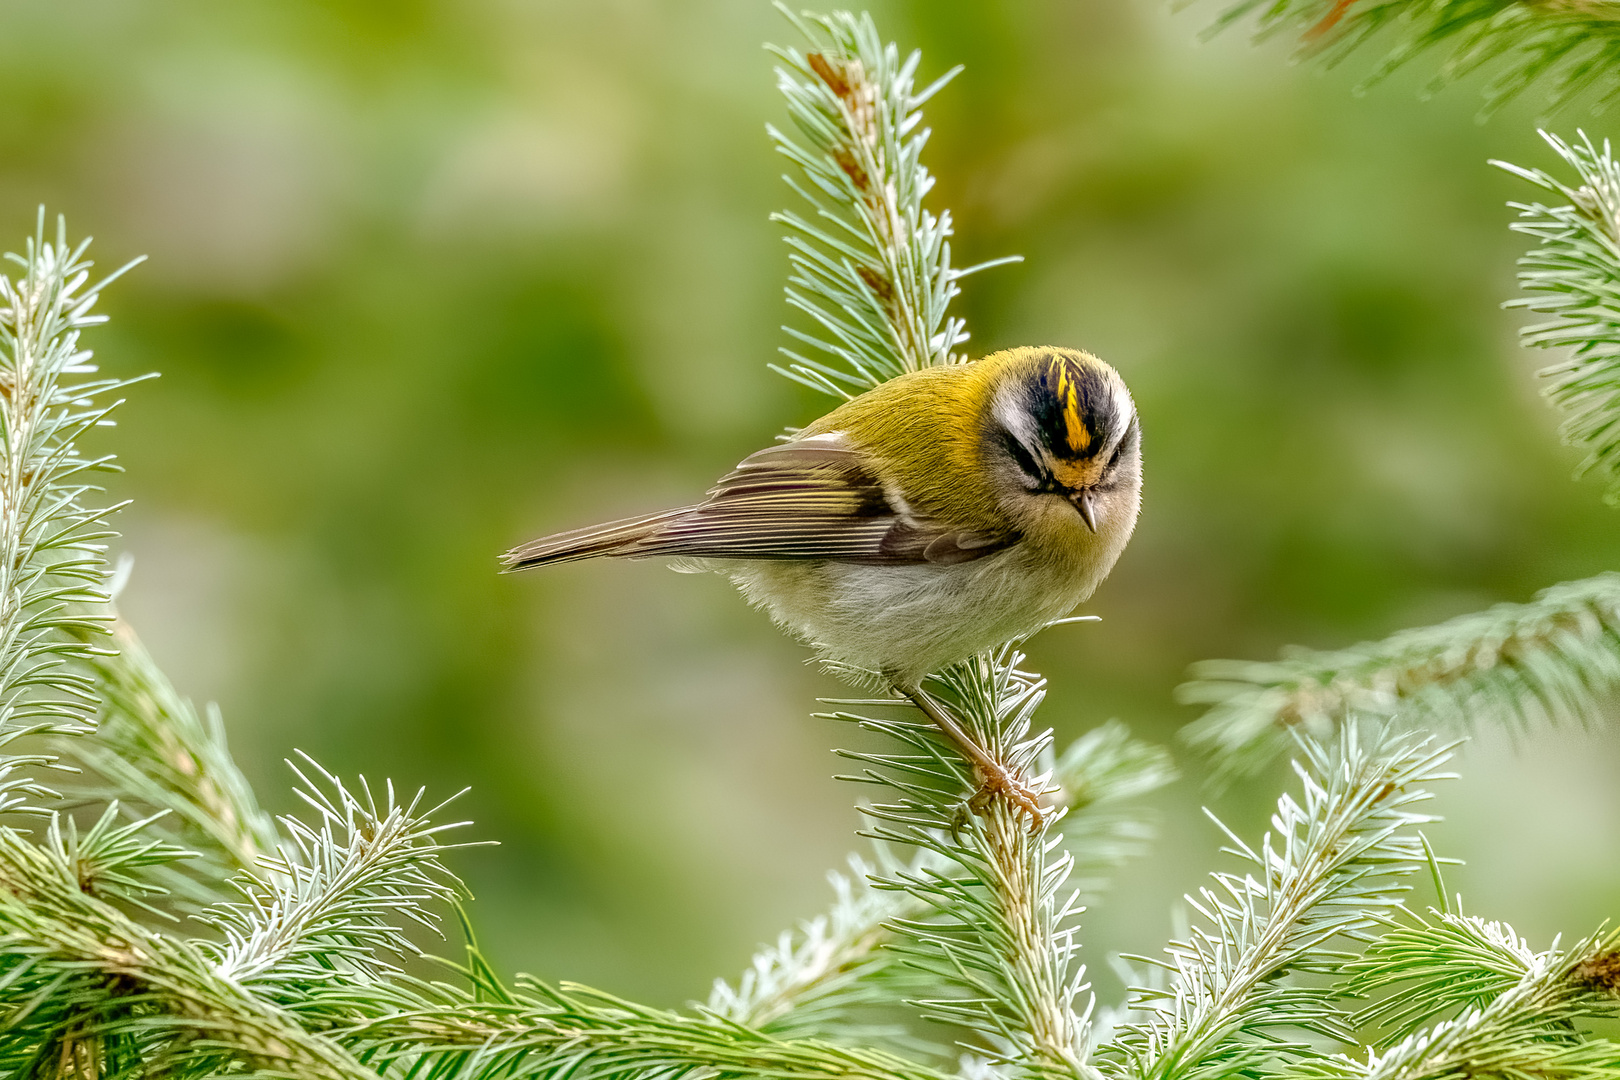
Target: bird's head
[{"x": 1062, "y": 426}]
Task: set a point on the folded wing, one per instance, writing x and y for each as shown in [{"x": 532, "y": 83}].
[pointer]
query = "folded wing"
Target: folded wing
[{"x": 813, "y": 498}]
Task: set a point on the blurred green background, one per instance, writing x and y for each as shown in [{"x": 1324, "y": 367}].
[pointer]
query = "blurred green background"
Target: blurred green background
[{"x": 429, "y": 278}]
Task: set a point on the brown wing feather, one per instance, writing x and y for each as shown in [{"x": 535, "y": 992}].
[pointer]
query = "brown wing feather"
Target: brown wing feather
[
  {"x": 586, "y": 543},
  {"x": 809, "y": 499}
]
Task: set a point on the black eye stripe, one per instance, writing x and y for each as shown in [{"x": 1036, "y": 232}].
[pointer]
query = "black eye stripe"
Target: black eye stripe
[
  {"x": 1042, "y": 482},
  {"x": 1022, "y": 458},
  {"x": 1129, "y": 439}
]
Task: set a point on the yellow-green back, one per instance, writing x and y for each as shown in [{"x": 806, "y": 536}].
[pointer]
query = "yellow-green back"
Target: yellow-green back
[{"x": 925, "y": 430}]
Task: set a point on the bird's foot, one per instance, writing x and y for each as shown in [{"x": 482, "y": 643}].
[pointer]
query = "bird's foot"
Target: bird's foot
[{"x": 994, "y": 779}]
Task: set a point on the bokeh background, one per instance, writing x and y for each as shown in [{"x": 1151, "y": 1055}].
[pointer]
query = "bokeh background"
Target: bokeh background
[{"x": 428, "y": 277}]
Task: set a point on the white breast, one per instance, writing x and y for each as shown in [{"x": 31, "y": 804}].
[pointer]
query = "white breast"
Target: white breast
[{"x": 902, "y": 622}]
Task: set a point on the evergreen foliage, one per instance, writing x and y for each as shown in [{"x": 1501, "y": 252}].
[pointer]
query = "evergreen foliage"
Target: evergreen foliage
[
  {"x": 1555, "y": 659},
  {"x": 871, "y": 267},
  {"x": 961, "y": 924},
  {"x": 153, "y": 753},
  {"x": 1569, "y": 49},
  {"x": 1551, "y": 660},
  {"x": 1331, "y": 872},
  {"x": 1515, "y": 1010},
  {"x": 1571, "y": 278},
  {"x": 51, "y": 531}
]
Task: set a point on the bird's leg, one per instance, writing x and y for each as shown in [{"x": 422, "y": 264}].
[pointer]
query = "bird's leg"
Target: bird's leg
[{"x": 994, "y": 778}]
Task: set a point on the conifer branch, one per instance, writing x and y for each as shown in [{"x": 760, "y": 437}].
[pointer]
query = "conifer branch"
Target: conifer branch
[
  {"x": 1518, "y": 1008},
  {"x": 1451, "y": 964},
  {"x": 1571, "y": 45},
  {"x": 151, "y": 750},
  {"x": 110, "y": 860},
  {"x": 815, "y": 979},
  {"x": 337, "y": 904},
  {"x": 870, "y": 266},
  {"x": 90, "y": 992},
  {"x": 1554, "y": 659},
  {"x": 872, "y": 271},
  {"x": 536, "y": 1030},
  {"x": 51, "y": 533},
  {"x": 1573, "y": 275},
  {"x": 997, "y": 921},
  {"x": 819, "y": 978},
  {"x": 1491, "y": 1042},
  {"x": 313, "y": 934},
  {"x": 1330, "y": 871},
  {"x": 1551, "y": 660}
]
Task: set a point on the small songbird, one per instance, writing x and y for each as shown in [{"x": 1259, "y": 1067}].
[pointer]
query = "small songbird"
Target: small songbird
[{"x": 944, "y": 512}]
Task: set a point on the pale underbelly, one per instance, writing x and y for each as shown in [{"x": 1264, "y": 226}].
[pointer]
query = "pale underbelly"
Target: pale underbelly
[{"x": 905, "y": 621}]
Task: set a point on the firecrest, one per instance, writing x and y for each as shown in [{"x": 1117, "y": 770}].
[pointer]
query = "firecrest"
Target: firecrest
[{"x": 946, "y": 511}]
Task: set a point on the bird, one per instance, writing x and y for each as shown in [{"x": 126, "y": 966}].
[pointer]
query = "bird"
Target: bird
[{"x": 946, "y": 511}]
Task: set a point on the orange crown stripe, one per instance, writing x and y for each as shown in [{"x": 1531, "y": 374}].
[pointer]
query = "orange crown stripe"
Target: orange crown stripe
[{"x": 1079, "y": 438}]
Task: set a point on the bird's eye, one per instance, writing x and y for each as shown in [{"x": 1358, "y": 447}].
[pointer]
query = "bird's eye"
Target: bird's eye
[
  {"x": 1025, "y": 461},
  {"x": 1131, "y": 434}
]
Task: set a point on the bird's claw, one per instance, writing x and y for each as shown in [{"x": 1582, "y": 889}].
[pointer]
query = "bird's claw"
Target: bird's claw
[{"x": 996, "y": 780}]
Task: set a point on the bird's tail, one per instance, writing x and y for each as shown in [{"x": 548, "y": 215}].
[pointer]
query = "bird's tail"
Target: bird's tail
[{"x": 621, "y": 538}]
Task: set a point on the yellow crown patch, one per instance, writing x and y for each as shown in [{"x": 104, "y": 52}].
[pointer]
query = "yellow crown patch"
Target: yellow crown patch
[{"x": 1074, "y": 428}]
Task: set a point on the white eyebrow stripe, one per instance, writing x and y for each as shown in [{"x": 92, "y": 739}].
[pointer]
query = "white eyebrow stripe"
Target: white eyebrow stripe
[
  {"x": 1010, "y": 414},
  {"x": 1124, "y": 410}
]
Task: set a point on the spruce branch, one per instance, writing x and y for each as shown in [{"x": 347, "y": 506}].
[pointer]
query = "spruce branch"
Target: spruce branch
[
  {"x": 313, "y": 934},
  {"x": 996, "y": 920},
  {"x": 337, "y": 903},
  {"x": 819, "y": 978},
  {"x": 1331, "y": 870},
  {"x": 110, "y": 860},
  {"x": 1452, "y": 964},
  {"x": 1518, "y": 1007},
  {"x": 1573, "y": 46},
  {"x": 870, "y": 266},
  {"x": 1573, "y": 275},
  {"x": 535, "y": 1030},
  {"x": 87, "y": 988},
  {"x": 1554, "y": 659},
  {"x": 1487, "y": 1043},
  {"x": 151, "y": 750},
  {"x": 51, "y": 526}
]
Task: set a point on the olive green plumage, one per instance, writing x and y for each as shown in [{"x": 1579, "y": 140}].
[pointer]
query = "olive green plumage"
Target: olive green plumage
[
  {"x": 923, "y": 409},
  {"x": 937, "y": 514},
  {"x": 944, "y": 512},
  {"x": 933, "y": 430}
]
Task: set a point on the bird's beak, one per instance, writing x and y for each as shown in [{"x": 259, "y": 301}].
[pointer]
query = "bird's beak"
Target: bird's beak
[{"x": 1085, "y": 502}]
